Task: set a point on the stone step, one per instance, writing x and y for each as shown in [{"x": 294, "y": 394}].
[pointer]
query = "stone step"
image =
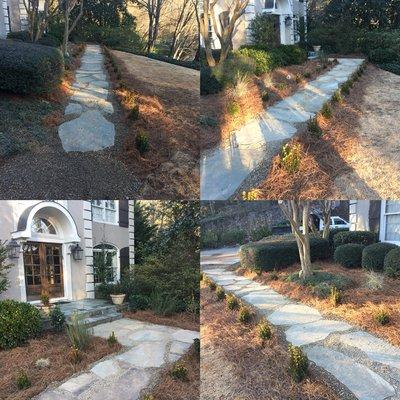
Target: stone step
[
  {"x": 98, "y": 311},
  {"x": 102, "y": 319}
]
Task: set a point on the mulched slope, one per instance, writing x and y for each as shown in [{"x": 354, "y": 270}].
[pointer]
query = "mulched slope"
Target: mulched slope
[
  {"x": 235, "y": 365},
  {"x": 55, "y": 347}
]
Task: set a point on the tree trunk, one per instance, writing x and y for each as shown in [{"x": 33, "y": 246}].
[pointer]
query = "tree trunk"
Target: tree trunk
[{"x": 66, "y": 31}]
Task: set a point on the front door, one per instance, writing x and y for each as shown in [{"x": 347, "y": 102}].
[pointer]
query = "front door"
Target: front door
[{"x": 43, "y": 270}]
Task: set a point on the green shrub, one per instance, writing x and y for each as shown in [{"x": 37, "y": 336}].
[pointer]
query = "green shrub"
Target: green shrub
[
  {"x": 232, "y": 237},
  {"x": 382, "y": 316},
  {"x": 291, "y": 157},
  {"x": 332, "y": 234},
  {"x": 265, "y": 95},
  {"x": 262, "y": 30},
  {"x": 326, "y": 111},
  {"x": 373, "y": 256},
  {"x": 335, "y": 296},
  {"x": 232, "y": 302},
  {"x": 112, "y": 339},
  {"x": 10, "y": 146},
  {"x": 207, "y": 120},
  {"x": 279, "y": 253},
  {"x": 19, "y": 322},
  {"x": 209, "y": 240},
  {"x": 22, "y": 380},
  {"x": 212, "y": 285},
  {"x": 163, "y": 304},
  {"x": 138, "y": 302},
  {"x": 391, "y": 67},
  {"x": 264, "y": 330},
  {"x": 298, "y": 365},
  {"x": 196, "y": 346},
  {"x": 220, "y": 293},
  {"x": 209, "y": 83},
  {"x": 361, "y": 237},
  {"x": 391, "y": 265},
  {"x": 337, "y": 96},
  {"x": 264, "y": 61},
  {"x": 314, "y": 128},
  {"x": 57, "y": 319},
  {"x": 27, "y": 68},
  {"x": 134, "y": 113},
  {"x": 77, "y": 331},
  {"x": 142, "y": 143},
  {"x": 260, "y": 233},
  {"x": 349, "y": 255},
  {"x": 345, "y": 88},
  {"x": 103, "y": 291},
  {"x": 291, "y": 54},
  {"x": 244, "y": 315},
  {"x": 179, "y": 372},
  {"x": 233, "y": 108}
]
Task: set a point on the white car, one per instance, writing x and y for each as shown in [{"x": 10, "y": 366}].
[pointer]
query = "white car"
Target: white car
[{"x": 336, "y": 223}]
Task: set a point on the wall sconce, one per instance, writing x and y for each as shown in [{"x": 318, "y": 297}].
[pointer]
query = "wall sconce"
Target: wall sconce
[
  {"x": 13, "y": 249},
  {"x": 288, "y": 21},
  {"x": 77, "y": 252}
]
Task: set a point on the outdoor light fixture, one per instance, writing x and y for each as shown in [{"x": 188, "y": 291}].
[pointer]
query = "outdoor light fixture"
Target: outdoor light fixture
[
  {"x": 77, "y": 252},
  {"x": 13, "y": 249},
  {"x": 288, "y": 20}
]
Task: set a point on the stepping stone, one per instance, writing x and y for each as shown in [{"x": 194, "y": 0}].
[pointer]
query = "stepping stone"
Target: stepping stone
[
  {"x": 90, "y": 132},
  {"x": 100, "y": 83},
  {"x": 84, "y": 95},
  {"x": 292, "y": 314},
  {"x": 179, "y": 347},
  {"x": 55, "y": 395},
  {"x": 73, "y": 108},
  {"x": 93, "y": 101},
  {"x": 148, "y": 335},
  {"x": 82, "y": 79},
  {"x": 266, "y": 301},
  {"x": 79, "y": 384},
  {"x": 360, "y": 380},
  {"x": 300, "y": 335},
  {"x": 145, "y": 355},
  {"x": 377, "y": 350},
  {"x": 183, "y": 335},
  {"x": 253, "y": 288},
  {"x": 216, "y": 271},
  {"x": 107, "y": 368},
  {"x": 290, "y": 114}
]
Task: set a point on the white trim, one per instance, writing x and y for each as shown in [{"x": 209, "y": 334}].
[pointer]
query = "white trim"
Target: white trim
[
  {"x": 103, "y": 221},
  {"x": 382, "y": 228}
]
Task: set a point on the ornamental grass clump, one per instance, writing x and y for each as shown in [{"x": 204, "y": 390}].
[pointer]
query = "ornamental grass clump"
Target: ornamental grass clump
[
  {"x": 326, "y": 111},
  {"x": 212, "y": 285},
  {"x": 337, "y": 97},
  {"x": 77, "y": 331},
  {"x": 112, "y": 339},
  {"x": 142, "y": 143},
  {"x": 382, "y": 316},
  {"x": 291, "y": 157},
  {"x": 220, "y": 293},
  {"x": 232, "y": 302},
  {"x": 298, "y": 364},
  {"x": 179, "y": 372},
  {"x": 314, "y": 128},
  {"x": 233, "y": 108},
  {"x": 335, "y": 296},
  {"x": 22, "y": 380}
]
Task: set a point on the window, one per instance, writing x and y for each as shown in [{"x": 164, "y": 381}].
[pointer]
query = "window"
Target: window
[
  {"x": 270, "y": 4},
  {"x": 105, "y": 263},
  {"x": 43, "y": 226},
  {"x": 391, "y": 223},
  {"x": 105, "y": 211},
  {"x": 339, "y": 221}
]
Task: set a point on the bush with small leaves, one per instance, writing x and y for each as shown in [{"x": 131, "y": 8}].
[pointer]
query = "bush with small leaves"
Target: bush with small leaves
[
  {"x": 206, "y": 120},
  {"x": 134, "y": 112},
  {"x": 244, "y": 315},
  {"x": 22, "y": 380},
  {"x": 232, "y": 302},
  {"x": 291, "y": 157},
  {"x": 373, "y": 256},
  {"x": 337, "y": 97},
  {"x": 265, "y": 95},
  {"x": 142, "y": 143},
  {"x": 220, "y": 293},
  {"x": 138, "y": 302},
  {"x": 57, "y": 319},
  {"x": 112, "y": 339},
  {"x": 274, "y": 276},
  {"x": 314, "y": 128},
  {"x": 349, "y": 255},
  {"x": 179, "y": 372},
  {"x": 391, "y": 265},
  {"x": 196, "y": 346},
  {"x": 233, "y": 108},
  {"x": 382, "y": 316},
  {"x": 264, "y": 330},
  {"x": 335, "y": 296},
  {"x": 212, "y": 285},
  {"x": 326, "y": 111},
  {"x": 298, "y": 365},
  {"x": 345, "y": 88}
]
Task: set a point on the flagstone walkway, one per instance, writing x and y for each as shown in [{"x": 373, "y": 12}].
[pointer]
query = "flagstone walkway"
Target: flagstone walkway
[
  {"x": 224, "y": 168},
  {"x": 89, "y": 104},
  {"x": 147, "y": 348},
  {"x": 368, "y": 366}
]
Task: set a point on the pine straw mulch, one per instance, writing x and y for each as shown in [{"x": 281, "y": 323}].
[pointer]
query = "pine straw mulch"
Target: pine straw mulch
[
  {"x": 168, "y": 388},
  {"x": 279, "y": 83},
  {"x": 54, "y": 346},
  {"x": 181, "y": 320},
  {"x": 235, "y": 365},
  {"x": 359, "y": 303},
  {"x": 169, "y": 118},
  {"x": 322, "y": 159}
]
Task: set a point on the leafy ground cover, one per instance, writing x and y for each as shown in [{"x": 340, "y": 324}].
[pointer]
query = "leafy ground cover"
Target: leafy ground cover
[
  {"x": 363, "y": 295},
  {"x": 52, "y": 346},
  {"x": 236, "y": 364}
]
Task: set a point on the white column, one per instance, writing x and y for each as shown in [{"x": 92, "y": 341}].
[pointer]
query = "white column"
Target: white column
[
  {"x": 131, "y": 232},
  {"x": 88, "y": 243}
]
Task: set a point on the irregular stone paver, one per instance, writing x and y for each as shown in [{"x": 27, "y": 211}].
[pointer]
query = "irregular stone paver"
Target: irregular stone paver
[
  {"x": 265, "y": 301},
  {"x": 292, "y": 314},
  {"x": 376, "y": 349},
  {"x": 91, "y": 131},
  {"x": 364, "y": 383},
  {"x": 124, "y": 375},
  {"x": 224, "y": 168},
  {"x": 313, "y": 332}
]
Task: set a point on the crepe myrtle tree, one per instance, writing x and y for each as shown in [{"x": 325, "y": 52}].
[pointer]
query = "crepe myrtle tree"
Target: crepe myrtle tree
[
  {"x": 298, "y": 214},
  {"x": 223, "y": 24},
  {"x": 67, "y": 6},
  {"x": 323, "y": 209}
]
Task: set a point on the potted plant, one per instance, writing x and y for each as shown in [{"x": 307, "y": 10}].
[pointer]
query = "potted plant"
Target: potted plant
[
  {"x": 117, "y": 295},
  {"x": 45, "y": 299}
]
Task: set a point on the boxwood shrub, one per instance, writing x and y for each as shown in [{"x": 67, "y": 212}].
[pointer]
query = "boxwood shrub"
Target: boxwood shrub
[
  {"x": 333, "y": 232},
  {"x": 361, "y": 237},
  {"x": 29, "y": 68},
  {"x": 232, "y": 237},
  {"x": 391, "y": 265},
  {"x": 349, "y": 255},
  {"x": 279, "y": 253},
  {"x": 19, "y": 322},
  {"x": 265, "y": 61},
  {"x": 373, "y": 256}
]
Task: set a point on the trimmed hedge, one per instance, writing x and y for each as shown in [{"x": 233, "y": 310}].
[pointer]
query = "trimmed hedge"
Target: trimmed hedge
[
  {"x": 29, "y": 68},
  {"x": 349, "y": 255},
  {"x": 391, "y": 264},
  {"x": 232, "y": 237},
  {"x": 373, "y": 256},
  {"x": 19, "y": 322},
  {"x": 332, "y": 234},
  {"x": 265, "y": 61},
  {"x": 278, "y": 253},
  {"x": 46, "y": 40},
  {"x": 361, "y": 237}
]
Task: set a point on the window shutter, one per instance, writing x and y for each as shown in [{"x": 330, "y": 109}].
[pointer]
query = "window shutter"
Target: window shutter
[
  {"x": 124, "y": 260},
  {"x": 124, "y": 213}
]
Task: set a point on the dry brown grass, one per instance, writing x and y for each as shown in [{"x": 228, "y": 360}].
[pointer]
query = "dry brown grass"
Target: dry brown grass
[
  {"x": 235, "y": 365},
  {"x": 168, "y": 388},
  {"x": 283, "y": 84},
  {"x": 55, "y": 347},
  {"x": 181, "y": 320},
  {"x": 359, "y": 303}
]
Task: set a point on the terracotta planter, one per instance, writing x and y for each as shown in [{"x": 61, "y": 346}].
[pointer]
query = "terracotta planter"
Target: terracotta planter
[{"x": 117, "y": 299}]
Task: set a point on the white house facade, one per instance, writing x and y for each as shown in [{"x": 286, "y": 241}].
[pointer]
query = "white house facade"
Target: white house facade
[
  {"x": 53, "y": 244},
  {"x": 285, "y": 13},
  {"x": 380, "y": 216}
]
